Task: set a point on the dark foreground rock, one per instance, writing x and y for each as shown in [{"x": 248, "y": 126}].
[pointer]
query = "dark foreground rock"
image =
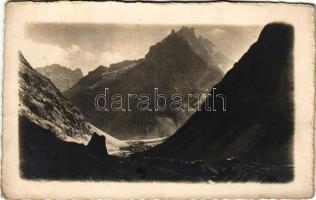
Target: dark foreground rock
[
  {"x": 97, "y": 145},
  {"x": 46, "y": 157}
]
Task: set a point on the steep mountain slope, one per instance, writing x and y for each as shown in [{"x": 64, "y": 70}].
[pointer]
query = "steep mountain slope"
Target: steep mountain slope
[
  {"x": 62, "y": 77},
  {"x": 43, "y": 104},
  {"x": 171, "y": 65},
  {"x": 53, "y": 133},
  {"x": 258, "y": 123}
]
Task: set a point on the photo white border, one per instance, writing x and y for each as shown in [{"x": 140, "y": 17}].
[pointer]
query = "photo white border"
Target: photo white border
[{"x": 301, "y": 16}]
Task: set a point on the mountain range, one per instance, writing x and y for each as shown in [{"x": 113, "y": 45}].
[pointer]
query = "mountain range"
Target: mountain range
[
  {"x": 181, "y": 63},
  {"x": 257, "y": 125},
  {"x": 55, "y": 140},
  {"x": 57, "y": 143},
  {"x": 62, "y": 77}
]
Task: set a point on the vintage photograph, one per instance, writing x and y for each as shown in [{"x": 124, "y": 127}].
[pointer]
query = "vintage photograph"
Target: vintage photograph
[
  {"x": 156, "y": 102},
  {"x": 176, "y": 102}
]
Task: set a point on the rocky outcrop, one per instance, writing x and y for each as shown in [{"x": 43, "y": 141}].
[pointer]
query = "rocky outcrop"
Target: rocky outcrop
[{"x": 97, "y": 145}]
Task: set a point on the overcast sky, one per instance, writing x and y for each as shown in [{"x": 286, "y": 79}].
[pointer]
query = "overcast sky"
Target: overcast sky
[{"x": 87, "y": 46}]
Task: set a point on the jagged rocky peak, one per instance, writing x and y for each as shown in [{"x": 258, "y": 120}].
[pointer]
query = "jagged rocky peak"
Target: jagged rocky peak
[
  {"x": 206, "y": 41},
  {"x": 43, "y": 104},
  {"x": 170, "y": 65},
  {"x": 170, "y": 46},
  {"x": 187, "y": 29},
  {"x": 186, "y": 38},
  {"x": 186, "y": 32},
  {"x": 62, "y": 77},
  {"x": 78, "y": 71},
  {"x": 204, "y": 48}
]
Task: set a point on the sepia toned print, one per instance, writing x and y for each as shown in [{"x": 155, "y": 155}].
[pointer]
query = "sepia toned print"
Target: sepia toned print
[
  {"x": 211, "y": 104},
  {"x": 165, "y": 136}
]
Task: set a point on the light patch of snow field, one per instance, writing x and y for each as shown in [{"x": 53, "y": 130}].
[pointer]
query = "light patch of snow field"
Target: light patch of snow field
[
  {"x": 113, "y": 144},
  {"x": 151, "y": 140},
  {"x": 122, "y": 147}
]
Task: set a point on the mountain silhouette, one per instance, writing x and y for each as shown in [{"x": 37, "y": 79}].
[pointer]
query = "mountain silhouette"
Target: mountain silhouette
[
  {"x": 172, "y": 66},
  {"x": 257, "y": 125}
]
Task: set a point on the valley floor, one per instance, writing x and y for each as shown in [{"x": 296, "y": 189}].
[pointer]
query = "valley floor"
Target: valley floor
[
  {"x": 136, "y": 146},
  {"x": 124, "y": 148},
  {"x": 45, "y": 157}
]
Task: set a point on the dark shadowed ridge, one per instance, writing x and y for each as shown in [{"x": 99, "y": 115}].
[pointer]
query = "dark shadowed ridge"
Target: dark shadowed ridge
[{"x": 258, "y": 123}]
